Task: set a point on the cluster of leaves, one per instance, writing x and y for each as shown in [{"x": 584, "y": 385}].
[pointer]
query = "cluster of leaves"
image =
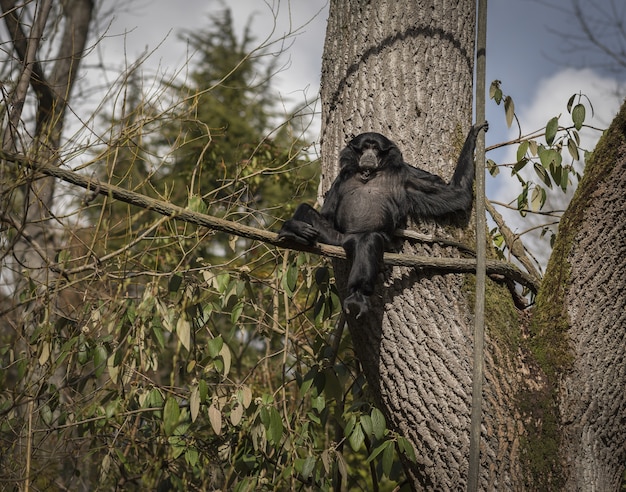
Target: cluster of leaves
[{"x": 545, "y": 159}]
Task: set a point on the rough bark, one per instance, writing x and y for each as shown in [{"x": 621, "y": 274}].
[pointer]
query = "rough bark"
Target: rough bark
[
  {"x": 590, "y": 266},
  {"x": 405, "y": 69}
]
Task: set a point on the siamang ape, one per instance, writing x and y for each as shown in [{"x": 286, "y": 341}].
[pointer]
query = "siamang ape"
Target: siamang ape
[{"x": 373, "y": 195}]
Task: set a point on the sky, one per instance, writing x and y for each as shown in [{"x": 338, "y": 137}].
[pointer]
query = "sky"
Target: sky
[{"x": 537, "y": 67}]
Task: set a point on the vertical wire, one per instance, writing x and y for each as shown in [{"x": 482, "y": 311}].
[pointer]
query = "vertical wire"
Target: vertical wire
[{"x": 481, "y": 247}]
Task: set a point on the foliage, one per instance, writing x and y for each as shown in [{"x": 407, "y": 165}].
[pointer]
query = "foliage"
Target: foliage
[
  {"x": 542, "y": 166},
  {"x": 164, "y": 356}
]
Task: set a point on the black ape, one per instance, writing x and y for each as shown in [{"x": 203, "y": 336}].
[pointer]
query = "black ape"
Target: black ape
[{"x": 373, "y": 195}]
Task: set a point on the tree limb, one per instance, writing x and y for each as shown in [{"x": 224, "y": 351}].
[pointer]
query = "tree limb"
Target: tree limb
[
  {"x": 437, "y": 265},
  {"x": 513, "y": 242}
]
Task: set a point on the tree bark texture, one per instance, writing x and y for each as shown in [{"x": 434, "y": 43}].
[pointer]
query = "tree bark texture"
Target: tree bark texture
[
  {"x": 405, "y": 69},
  {"x": 592, "y": 394}
]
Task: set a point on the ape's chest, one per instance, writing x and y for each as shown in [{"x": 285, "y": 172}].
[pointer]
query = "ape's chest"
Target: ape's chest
[
  {"x": 370, "y": 190},
  {"x": 370, "y": 205}
]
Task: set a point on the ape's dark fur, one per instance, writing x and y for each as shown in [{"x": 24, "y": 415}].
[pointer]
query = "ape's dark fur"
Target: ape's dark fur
[{"x": 373, "y": 195}]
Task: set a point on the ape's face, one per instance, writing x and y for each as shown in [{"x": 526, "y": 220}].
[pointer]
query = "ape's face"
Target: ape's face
[{"x": 370, "y": 151}]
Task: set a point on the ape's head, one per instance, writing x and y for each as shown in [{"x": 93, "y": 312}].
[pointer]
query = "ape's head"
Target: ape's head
[{"x": 370, "y": 152}]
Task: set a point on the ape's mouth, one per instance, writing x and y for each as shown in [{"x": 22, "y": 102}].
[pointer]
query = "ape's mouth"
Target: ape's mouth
[
  {"x": 366, "y": 175},
  {"x": 368, "y": 160}
]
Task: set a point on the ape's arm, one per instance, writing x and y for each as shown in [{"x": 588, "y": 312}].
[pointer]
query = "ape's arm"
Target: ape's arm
[
  {"x": 431, "y": 197},
  {"x": 464, "y": 172}
]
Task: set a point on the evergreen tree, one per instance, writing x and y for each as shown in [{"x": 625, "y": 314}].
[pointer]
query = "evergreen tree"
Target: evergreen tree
[{"x": 226, "y": 149}]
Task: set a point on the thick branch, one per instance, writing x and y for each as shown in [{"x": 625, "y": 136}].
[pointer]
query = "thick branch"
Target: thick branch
[
  {"x": 437, "y": 265},
  {"x": 513, "y": 242}
]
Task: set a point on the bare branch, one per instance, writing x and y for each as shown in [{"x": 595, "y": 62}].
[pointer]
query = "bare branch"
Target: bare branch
[{"x": 440, "y": 265}]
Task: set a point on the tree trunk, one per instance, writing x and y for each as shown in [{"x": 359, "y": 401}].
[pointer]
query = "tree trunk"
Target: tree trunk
[
  {"x": 405, "y": 69},
  {"x": 52, "y": 92},
  {"x": 584, "y": 304}
]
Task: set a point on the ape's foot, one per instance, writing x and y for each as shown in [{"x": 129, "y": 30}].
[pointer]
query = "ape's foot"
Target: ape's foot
[
  {"x": 298, "y": 231},
  {"x": 356, "y": 304}
]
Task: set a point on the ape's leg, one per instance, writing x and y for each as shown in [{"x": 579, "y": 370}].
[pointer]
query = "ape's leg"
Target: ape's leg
[
  {"x": 365, "y": 251},
  {"x": 307, "y": 226}
]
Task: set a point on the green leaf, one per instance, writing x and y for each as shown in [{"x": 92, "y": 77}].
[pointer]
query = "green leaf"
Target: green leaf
[
  {"x": 578, "y": 116},
  {"x": 495, "y": 92},
  {"x": 556, "y": 171},
  {"x": 509, "y": 110},
  {"x": 551, "y": 129},
  {"x": 377, "y": 450},
  {"x": 191, "y": 456},
  {"x": 522, "y": 201},
  {"x": 222, "y": 282},
  {"x": 99, "y": 360},
  {"x": 570, "y": 103},
  {"x": 543, "y": 174},
  {"x": 203, "y": 389},
  {"x": 171, "y": 414},
  {"x": 549, "y": 158},
  {"x": 366, "y": 424},
  {"x": 522, "y": 149},
  {"x": 573, "y": 149},
  {"x": 158, "y": 335},
  {"x": 356, "y": 438},
  {"x": 275, "y": 429},
  {"x": 407, "y": 448},
  {"x": 493, "y": 168},
  {"x": 83, "y": 352},
  {"x": 290, "y": 279},
  {"x": 236, "y": 312},
  {"x": 195, "y": 203},
  {"x": 318, "y": 402},
  {"x": 388, "y": 455},
  {"x": 378, "y": 423},
  {"x": 307, "y": 467},
  {"x": 519, "y": 166},
  {"x": 214, "y": 346},
  {"x": 564, "y": 178},
  {"x": 350, "y": 425}
]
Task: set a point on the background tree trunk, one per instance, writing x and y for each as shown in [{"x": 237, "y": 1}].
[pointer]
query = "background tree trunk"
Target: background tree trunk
[
  {"x": 584, "y": 304},
  {"x": 37, "y": 246},
  {"x": 405, "y": 69}
]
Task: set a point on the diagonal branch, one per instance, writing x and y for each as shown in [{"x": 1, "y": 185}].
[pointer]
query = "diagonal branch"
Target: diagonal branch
[
  {"x": 513, "y": 242},
  {"x": 437, "y": 265}
]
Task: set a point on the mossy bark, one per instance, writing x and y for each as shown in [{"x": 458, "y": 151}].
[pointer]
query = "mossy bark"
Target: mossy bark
[{"x": 579, "y": 329}]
